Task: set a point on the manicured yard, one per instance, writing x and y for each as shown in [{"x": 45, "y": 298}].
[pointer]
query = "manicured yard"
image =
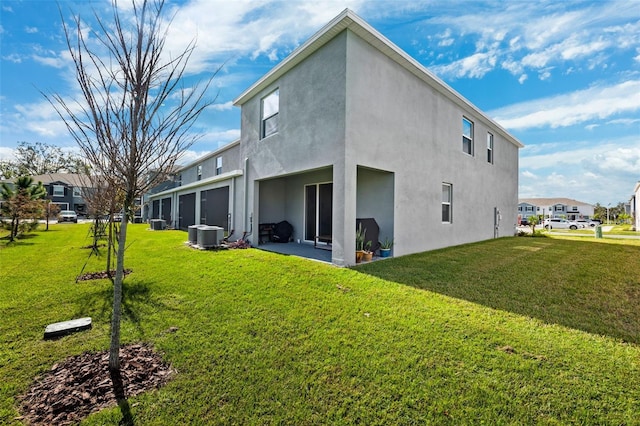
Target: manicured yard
[{"x": 509, "y": 331}]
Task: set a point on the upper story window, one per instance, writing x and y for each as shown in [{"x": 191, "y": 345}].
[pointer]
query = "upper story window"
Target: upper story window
[
  {"x": 58, "y": 191},
  {"x": 218, "y": 165},
  {"x": 529, "y": 208},
  {"x": 490, "y": 148},
  {"x": 77, "y": 192},
  {"x": 270, "y": 107},
  {"x": 199, "y": 171},
  {"x": 447, "y": 202},
  {"x": 558, "y": 208},
  {"x": 467, "y": 136}
]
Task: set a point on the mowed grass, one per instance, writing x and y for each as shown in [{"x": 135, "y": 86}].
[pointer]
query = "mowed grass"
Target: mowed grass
[{"x": 509, "y": 331}]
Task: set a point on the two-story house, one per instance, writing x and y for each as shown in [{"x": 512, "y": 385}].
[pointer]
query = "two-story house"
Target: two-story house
[
  {"x": 565, "y": 208},
  {"x": 66, "y": 190},
  {"x": 349, "y": 126}
]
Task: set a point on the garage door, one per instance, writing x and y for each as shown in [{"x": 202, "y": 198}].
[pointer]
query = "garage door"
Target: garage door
[
  {"x": 214, "y": 207},
  {"x": 187, "y": 211},
  {"x": 166, "y": 210}
]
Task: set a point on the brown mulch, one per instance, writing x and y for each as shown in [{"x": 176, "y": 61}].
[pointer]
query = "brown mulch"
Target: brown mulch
[
  {"x": 81, "y": 385},
  {"x": 99, "y": 275}
]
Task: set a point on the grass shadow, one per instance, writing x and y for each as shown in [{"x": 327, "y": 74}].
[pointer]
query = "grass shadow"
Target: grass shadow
[
  {"x": 137, "y": 300},
  {"x": 557, "y": 281}
]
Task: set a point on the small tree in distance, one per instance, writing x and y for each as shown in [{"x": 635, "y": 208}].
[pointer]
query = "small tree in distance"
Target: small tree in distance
[
  {"x": 134, "y": 117},
  {"x": 25, "y": 200},
  {"x": 533, "y": 221}
]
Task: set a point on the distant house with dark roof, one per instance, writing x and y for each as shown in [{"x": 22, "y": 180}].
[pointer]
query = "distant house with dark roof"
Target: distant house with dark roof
[
  {"x": 66, "y": 190},
  {"x": 566, "y": 208}
]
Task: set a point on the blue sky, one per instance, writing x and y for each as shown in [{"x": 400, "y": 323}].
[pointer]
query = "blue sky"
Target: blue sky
[{"x": 561, "y": 76}]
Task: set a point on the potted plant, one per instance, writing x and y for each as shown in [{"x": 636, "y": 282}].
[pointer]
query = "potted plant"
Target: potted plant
[
  {"x": 367, "y": 254},
  {"x": 385, "y": 247},
  {"x": 360, "y": 233}
]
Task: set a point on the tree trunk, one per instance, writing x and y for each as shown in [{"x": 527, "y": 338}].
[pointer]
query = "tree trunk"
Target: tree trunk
[{"x": 114, "y": 349}]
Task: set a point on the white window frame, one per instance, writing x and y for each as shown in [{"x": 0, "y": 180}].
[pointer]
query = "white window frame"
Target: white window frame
[
  {"x": 199, "y": 171},
  {"x": 489, "y": 148},
  {"x": 58, "y": 191},
  {"x": 467, "y": 139},
  {"x": 218, "y": 165},
  {"x": 447, "y": 203},
  {"x": 269, "y": 112}
]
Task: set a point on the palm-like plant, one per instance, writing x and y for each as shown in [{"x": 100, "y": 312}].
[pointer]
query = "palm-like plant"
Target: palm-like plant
[{"x": 22, "y": 201}]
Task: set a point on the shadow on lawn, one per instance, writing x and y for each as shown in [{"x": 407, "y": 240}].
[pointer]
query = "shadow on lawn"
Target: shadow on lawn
[
  {"x": 137, "y": 299},
  {"x": 556, "y": 281}
]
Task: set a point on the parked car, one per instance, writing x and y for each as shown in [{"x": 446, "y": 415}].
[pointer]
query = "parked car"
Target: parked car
[
  {"x": 524, "y": 222},
  {"x": 557, "y": 223},
  {"x": 583, "y": 223},
  {"x": 67, "y": 216}
]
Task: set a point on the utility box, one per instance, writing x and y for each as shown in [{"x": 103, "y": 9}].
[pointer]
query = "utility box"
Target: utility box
[
  {"x": 158, "y": 224},
  {"x": 598, "y": 231},
  {"x": 209, "y": 236},
  {"x": 193, "y": 233}
]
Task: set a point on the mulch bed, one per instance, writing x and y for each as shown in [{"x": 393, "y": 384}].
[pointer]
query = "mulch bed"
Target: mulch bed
[
  {"x": 99, "y": 275},
  {"x": 81, "y": 385}
]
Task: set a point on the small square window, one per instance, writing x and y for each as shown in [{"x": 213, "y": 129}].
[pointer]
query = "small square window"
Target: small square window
[{"x": 77, "y": 192}]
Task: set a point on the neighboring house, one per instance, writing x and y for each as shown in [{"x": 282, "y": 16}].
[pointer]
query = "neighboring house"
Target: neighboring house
[
  {"x": 66, "y": 190},
  {"x": 349, "y": 126},
  {"x": 554, "y": 207}
]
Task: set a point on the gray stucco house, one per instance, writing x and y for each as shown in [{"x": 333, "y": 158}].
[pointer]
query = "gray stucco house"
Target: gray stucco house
[{"x": 349, "y": 126}]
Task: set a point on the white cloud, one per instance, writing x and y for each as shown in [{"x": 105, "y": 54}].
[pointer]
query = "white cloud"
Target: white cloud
[
  {"x": 584, "y": 171},
  {"x": 31, "y": 30},
  {"x": 522, "y": 78},
  {"x": 597, "y": 102},
  {"x": 537, "y": 35},
  {"x": 222, "y": 107},
  {"x": 225, "y": 30},
  {"x": 7, "y": 154},
  {"x": 474, "y": 66}
]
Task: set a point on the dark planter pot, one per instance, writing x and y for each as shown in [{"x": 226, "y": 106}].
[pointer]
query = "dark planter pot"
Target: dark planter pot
[{"x": 385, "y": 252}]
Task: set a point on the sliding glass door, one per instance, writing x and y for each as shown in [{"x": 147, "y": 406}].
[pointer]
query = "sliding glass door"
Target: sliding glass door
[{"x": 318, "y": 210}]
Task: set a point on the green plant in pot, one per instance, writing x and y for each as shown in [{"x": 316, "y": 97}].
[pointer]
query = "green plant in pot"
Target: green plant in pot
[
  {"x": 360, "y": 233},
  {"x": 367, "y": 254},
  {"x": 385, "y": 247}
]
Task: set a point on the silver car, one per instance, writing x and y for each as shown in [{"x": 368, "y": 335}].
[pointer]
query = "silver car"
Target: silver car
[
  {"x": 67, "y": 216},
  {"x": 557, "y": 223}
]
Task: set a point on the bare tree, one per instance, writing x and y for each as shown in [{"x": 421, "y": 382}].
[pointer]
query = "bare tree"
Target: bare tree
[
  {"x": 39, "y": 159},
  {"x": 135, "y": 116}
]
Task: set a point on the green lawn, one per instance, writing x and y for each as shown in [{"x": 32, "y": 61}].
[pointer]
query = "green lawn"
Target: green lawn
[{"x": 509, "y": 331}]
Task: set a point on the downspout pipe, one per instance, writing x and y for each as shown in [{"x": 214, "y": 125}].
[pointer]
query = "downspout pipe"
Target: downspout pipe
[{"x": 247, "y": 217}]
